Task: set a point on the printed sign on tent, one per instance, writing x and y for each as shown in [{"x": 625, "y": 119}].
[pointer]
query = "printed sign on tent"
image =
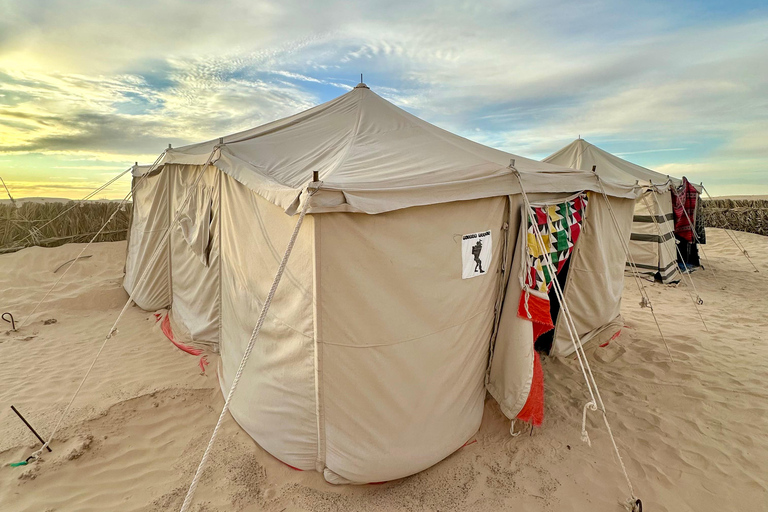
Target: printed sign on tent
[{"x": 476, "y": 254}]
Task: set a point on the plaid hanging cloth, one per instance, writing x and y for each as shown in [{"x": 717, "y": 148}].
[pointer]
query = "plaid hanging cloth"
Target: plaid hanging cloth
[
  {"x": 684, "y": 200},
  {"x": 559, "y": 226}
]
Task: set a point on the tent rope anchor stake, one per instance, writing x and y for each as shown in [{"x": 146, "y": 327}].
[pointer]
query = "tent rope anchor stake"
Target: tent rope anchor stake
[
  {"x": 581, "y": 356},
  {"x": 113, "y": 330},
  {"x": 10, "y": 320},
  {"x": 22, "y": 418}
]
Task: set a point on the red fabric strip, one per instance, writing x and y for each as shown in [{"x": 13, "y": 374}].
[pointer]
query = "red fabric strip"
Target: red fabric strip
[
  {"x": 165, "y": 326},
  {"x": 533, "y": 410},
  {"x": 540, "y": 316}
]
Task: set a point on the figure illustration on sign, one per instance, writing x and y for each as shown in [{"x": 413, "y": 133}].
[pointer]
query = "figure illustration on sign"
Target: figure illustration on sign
[{"x": 476, "y": 253}]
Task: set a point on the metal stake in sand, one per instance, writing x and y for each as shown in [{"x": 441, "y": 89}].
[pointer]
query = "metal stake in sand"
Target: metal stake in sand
[
  {"x": 10, "y": 320},
  {"x": 30, "y": 428}
]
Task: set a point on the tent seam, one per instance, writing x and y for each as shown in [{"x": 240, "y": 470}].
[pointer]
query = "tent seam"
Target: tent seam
[
  {"x": 221, "y": 234},
  {"x": 318, "y": 346},
  {"x": 351, "y": 143},
  {"x": 468, "y": 319},
  {"x": 169, "y": 193},
  {"x": 445, "y": 139}
]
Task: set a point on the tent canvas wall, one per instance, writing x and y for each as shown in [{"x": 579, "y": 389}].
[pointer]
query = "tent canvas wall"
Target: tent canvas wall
[
  {"x": 375, "y": 355},
  {"x": 652, "y": 244}
]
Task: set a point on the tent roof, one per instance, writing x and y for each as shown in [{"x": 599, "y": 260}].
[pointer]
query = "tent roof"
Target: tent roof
[
  {"x": 139, "y": 170},
  {"x": 373, "y": 157},
  {"x": 580, "y": 154}
]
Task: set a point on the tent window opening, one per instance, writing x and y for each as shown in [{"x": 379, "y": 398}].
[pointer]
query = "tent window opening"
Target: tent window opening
[{"x": 196, "y": 222}]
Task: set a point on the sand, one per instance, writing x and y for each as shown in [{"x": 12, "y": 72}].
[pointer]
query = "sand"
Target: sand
[{"x": 693, "y": 432}]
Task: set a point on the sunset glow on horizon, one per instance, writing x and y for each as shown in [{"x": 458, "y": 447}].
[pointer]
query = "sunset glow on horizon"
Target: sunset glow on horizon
[{"x": 89, "y": 88}]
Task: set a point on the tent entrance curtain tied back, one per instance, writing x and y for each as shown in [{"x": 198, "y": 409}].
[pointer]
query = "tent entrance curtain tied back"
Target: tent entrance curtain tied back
[{"x": 560, "y": 226}]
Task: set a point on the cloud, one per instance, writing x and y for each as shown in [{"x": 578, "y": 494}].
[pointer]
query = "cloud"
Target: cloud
[{"x": 664, "y": 84}]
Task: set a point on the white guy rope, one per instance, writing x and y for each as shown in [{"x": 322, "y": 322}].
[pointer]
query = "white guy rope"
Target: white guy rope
[
  {"x": 251, "y": 342},
  {"x": 693, "y": 230},
  {"x": 13, "y": 201},
  {"x": 698, "y": 300},
  {"x": 690, "y": 223},
  {"x": 119, "y": 206},
  {"x": 581, "y": 355},
  {"x": 136, "y": 287},
  {"x": 633, "y": 266},
  {"x": 79, "y": 201},
  {"x": 734, "y": 238},
  {"x": 23, "y": 322}
]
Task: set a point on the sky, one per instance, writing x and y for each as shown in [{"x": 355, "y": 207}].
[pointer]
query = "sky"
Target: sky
[{"x": 87, "y": 87}]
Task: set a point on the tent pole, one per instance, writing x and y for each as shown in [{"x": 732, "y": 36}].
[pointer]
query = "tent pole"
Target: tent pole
[{"x": 31, "y": 428}]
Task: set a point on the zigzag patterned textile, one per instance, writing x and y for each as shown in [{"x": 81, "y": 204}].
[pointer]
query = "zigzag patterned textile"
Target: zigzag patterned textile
[{"x": 560, "y": 227}]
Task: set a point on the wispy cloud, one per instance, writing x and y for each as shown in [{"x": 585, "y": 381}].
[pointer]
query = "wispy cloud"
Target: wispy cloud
[{"x": 679, "y": 87}]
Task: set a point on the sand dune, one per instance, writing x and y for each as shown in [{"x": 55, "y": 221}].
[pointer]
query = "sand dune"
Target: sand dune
[{"x": 692, "y": 432}]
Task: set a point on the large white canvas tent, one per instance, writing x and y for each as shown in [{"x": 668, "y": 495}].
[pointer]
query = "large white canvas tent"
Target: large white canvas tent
[
  {"x": 652, "y": 244},
  {"x": 375, "y": 357}
]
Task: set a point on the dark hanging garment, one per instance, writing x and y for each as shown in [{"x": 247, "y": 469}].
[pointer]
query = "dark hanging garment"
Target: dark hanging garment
[
  {"x": 689, "y": 252},
  {"x": 686, "y": 207},
  {"x": 684, "y": 201}
]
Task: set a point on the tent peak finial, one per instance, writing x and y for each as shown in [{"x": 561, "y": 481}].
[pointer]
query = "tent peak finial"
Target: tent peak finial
[{"x": 361, "y": 85}]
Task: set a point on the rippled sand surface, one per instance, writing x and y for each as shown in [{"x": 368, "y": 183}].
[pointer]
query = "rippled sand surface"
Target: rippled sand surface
[{"x": 693, "y": 431}]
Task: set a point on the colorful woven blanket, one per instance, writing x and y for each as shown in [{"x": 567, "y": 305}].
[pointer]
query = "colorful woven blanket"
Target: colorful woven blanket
[{"x": 559, "y": 226}]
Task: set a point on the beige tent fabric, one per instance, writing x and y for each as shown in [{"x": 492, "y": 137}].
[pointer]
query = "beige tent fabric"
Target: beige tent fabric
[
  {"x": 195, "y": 285},
  {"x": 510, "y": 370},
  {"x": 595, "y": 278},
  {"x": 668, "y": 248},
  {"x": 148, "y": 224},
  {"x": 195, "y": 223},
  {"x": 375, "y": 356},
  {"x": 374, "y": 157},
  {"x": 140, "y": 170},
  {"x": 648, "y": 254},
  {"x": 372, "y": 324},
  {"x": 580, "y": 154},
  {"x": 402, "y": 338},
  {"x": 275, "y": 400},
  {"x": 654, "y": 253}
]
